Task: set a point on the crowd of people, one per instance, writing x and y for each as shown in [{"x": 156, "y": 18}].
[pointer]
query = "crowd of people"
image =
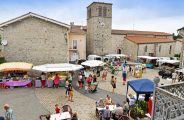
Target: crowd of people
[{"x": 106, "y": 113}]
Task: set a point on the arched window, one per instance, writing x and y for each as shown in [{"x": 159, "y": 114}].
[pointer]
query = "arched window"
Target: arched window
[
  {"x": 104, "y": 11},
  {"x": 100, "y": 11},
  {"x": 118, "y": 51}
]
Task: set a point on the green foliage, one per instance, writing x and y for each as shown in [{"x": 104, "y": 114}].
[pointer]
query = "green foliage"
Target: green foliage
[
  {"x": 143, "y": 105},
  {"x": 136, "y": 112},
  {"x": 176, "y": 36},
  {"x": 2, "y": 60},
  {"x": 139, "y": 110},
  {"x": 177, "y": 55}
]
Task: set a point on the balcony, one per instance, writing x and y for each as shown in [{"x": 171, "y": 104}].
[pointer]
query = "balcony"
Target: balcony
[
  {"x": 169, "y": 102},
  {"x": 73, "y": 49}
]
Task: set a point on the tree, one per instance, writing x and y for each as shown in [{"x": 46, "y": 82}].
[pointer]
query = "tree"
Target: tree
[{"x": 175, "y": 37}]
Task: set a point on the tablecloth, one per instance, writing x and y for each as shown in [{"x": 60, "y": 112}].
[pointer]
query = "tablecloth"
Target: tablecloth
[
  {"x": 111, "y": 107},
  {"x": 17, "y": 83},
  {"x": 61, "y": 116}
]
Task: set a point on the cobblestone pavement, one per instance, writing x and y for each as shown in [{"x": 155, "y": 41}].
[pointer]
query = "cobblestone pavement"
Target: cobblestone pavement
[
  {"x": 100, "y": 93},
  {"x": 29, "y": 103},
  {"x": 24, "y": 103},
  {"x": 84, "y": 106},
  {"x": 121, "y": 89}
]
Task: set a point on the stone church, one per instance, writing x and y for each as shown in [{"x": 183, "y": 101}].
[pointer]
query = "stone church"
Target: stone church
[{"x": 39, "y": 40}]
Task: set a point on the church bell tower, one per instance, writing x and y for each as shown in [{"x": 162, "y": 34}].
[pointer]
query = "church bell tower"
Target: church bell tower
[{"x": 99, "y": 25}]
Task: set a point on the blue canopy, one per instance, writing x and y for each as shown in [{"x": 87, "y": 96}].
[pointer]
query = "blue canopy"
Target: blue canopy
[{"x": 142, "y": 86}]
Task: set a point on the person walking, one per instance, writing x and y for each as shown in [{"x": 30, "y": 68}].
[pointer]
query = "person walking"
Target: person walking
[
  {"x": 70, "y": 89},
  {"x": 124, "y": 77},
  {"x": 113, "y": 83},
  {"x": 104, "y": 74},
  {"x": 180, "y": 76},
  {"x": 8, "y": 112},
  {"x": 66, "y": 87},
  {"x": 43, "y": 80},
  {"x": 56, "y": 81},
  {"x": 80, "y": 81}
]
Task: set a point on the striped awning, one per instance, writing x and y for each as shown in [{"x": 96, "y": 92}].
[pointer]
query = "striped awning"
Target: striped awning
[{"x": 15, "y": 66}]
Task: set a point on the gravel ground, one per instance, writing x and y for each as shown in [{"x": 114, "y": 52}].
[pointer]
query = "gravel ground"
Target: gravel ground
[
  {"x": 121, "y": 89},
  {"x": 84, "y": 106},
  {"x": 23, "y": 101}
]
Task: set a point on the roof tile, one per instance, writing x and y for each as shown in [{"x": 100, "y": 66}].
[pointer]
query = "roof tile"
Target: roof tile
[{"x": 144, "y": 40}]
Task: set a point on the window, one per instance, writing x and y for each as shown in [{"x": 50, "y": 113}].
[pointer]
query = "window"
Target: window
[
  {"x": 104, "y": 11},
  {"x": 89, "y": 13},
  {"x": 74, "y": 44},
  {"x": 145, "y": 48},
  {"x": 170, "y": 49},
  {"x": 100, "y": 11},
  {"x": 160, "y": 48}
]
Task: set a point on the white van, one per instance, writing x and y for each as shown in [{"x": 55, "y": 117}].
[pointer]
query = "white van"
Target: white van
[{"x": 94, "y": 57}]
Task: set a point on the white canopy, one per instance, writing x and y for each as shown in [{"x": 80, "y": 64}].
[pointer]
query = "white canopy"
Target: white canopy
[
  {"x": 169, "y": 61},
  {"x": 116, "y": 55},
  {"x": 180, "y": 70},
  {"x": 57, "y": 67},
  {"x": 148, "y": 57},
  {"x": 93, "y": 63}
]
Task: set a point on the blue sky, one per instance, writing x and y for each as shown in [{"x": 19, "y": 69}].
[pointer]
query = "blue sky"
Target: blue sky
[{"x": 148, "y": 15}]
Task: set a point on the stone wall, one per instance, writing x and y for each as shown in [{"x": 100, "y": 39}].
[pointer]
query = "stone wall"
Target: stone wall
[
  {"x": 99, "y": 30},
  {"x": 154, "y": 48},
  {"x": 178, "y": 47},
  {"x": 35, "y": 40},
  {"x": 130, "y": 49},
  {"x": 117, "y": 43}
]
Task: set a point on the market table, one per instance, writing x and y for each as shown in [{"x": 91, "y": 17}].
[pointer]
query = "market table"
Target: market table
[
  {"x": 61, "y": 116},
  {"x": 111, "y": 108},
  {"x": 17, "y": 83}
]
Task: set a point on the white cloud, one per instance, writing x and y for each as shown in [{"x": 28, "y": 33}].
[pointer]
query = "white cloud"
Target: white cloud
[{"x": 124, "y": 18}]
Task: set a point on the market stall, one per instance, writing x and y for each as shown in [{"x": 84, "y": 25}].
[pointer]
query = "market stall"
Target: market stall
[
  {"x": 167, "y": 67},
  {"x": 148, "y": 60},
  {"x": 15, "y": 74},
  {"x": 136, "y": 69},
  {"x": 61, "y": 69},
  {"x": 93, "y": 63},
  {"x": 141, "y": 86}
]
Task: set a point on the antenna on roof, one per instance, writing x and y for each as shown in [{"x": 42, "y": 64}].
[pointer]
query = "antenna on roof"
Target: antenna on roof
[{"x": 133, "y": 25}]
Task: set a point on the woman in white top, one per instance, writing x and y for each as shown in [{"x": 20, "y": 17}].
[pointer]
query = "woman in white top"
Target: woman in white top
[{"x": 66, "y": 87}]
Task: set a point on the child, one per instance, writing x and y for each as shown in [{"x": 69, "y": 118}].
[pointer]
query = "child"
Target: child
[
  {"x": 57, "y": 109},
  {"x": 70, "y": 96}
]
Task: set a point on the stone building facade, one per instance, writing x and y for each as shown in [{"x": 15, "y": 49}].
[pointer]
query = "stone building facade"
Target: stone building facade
[
  {"x": 35, "y": 39},
  {"x": 102, "y": 40},
  {"x": 99, "y": 24}
]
